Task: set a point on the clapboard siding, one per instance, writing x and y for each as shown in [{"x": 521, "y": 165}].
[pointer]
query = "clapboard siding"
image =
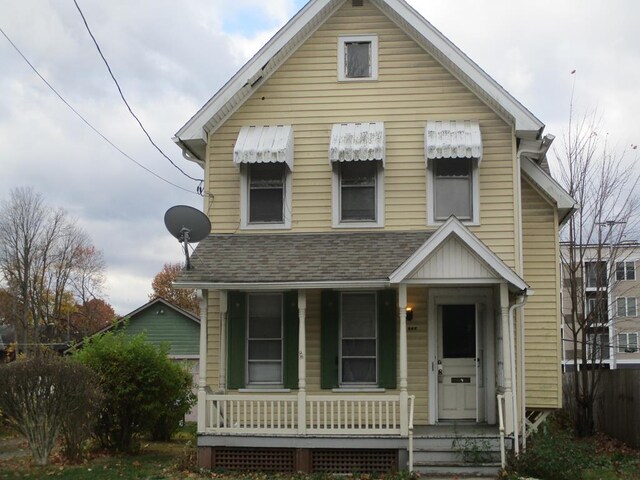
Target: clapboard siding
[
  {"x": 542, "y": 312},
  {"x": 412, "y": 88}
]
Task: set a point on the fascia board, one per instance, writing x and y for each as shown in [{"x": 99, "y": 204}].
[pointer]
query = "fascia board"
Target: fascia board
[
  {"x": 454, "y": 227},
  {"x": 525, "y": 120},
  {"x": 546, "y": 182},
  {"x": 347, "y": 284},
  {"x": 194, "y": 127}
]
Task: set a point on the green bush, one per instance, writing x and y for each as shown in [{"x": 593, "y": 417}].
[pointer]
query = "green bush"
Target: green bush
[
  {"x": 146, "y": 392},
  {"x": 38, "y": 394}
]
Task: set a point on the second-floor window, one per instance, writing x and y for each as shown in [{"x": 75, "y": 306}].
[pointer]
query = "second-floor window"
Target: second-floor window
[
  {"x": 358, "y": 191},
  {"x": 266, "y": 192},
  {"x": 627, "y": 342},
  {"x": 453, "y": 189},
  {"x": 625, "y": 270},
  {"x": 626, "y": 307}
]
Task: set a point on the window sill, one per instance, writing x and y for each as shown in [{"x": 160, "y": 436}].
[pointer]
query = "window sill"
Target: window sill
[
  {"x": 359, "y": 390},
  {"x": 358, "y": 225},
  {"x": 264, "y": 390},
  {"x": 466, "y": 223},
  {"x": 266, "y": 226}
]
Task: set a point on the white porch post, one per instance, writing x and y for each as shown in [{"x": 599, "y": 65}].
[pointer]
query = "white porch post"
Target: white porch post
[
  {"x": 404, "y": 395},
  {"x": 507, "y": 345},
  {"x": 202, "y": 367},
  {"x": 222, "y": 373},
  {"x": 302, "y": 362}
]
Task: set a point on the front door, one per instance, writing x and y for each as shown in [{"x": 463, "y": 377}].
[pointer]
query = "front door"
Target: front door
[{"x": 457, "y": 362}]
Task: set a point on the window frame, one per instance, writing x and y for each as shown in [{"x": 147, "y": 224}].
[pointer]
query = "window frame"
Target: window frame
[
  {"x": 337, "y": 221},
  {"x": 245, "y": 204},
  {"x": 627, "y": 301},
  {"x": 627, "y": 273},
  {"x": 341, "y": 382},
  {"x": 248, "y": 383},
  {"x": 585, "y": 276},
  {"x": 343, "y": 40},
  {"x": 627, "y": 336},
  {"x": 475, "y": 192}
]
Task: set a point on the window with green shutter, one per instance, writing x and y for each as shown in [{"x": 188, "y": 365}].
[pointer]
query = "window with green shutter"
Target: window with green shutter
[
  {"x": 358, "y": 339},
  {"x": 262, "y": 340}
]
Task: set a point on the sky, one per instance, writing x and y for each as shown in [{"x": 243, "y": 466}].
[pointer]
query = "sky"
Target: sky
[{"x": 171, "y": 57}]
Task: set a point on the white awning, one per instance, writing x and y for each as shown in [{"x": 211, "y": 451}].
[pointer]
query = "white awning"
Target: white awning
[
  {"x": 452, "y": 139},
  {"x": 357, "y": 141},
  {"x": 268, "y": 144}
]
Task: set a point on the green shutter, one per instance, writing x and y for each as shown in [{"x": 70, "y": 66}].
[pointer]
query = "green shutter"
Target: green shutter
[
  {"x": 236, "y": 325},
  {"x": 387, "y": 350},
  {"x": 329, "y": 338},
  {"x": 290, "y": 339}
]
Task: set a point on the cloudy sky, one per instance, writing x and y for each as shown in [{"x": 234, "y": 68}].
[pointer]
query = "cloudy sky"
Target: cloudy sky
[{"x": 171, "y": 57}]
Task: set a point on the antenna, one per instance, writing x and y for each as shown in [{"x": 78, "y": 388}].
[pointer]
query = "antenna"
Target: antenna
[{"x": 188, "y": 225}]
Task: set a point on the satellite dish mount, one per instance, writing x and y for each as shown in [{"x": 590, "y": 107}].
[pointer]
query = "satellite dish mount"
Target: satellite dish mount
[{"x": 188, "y": 225}]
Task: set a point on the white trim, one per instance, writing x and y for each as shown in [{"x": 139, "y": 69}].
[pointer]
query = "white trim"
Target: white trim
[
  {"x": 256, "y": 389},
  {"x": 453, "y": 226},
  {"x": 244, "y": 203},
  {"x": 354, "y": 389},
  {"x": 346, "y": 284},
  {"x": 184, "y": 357},
  {"x": 344, "y": 39},
  {"x": 475, "y": 196},
  {"x": 336, "y": 198}
]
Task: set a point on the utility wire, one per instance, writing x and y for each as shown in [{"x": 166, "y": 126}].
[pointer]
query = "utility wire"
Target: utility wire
[
  {"x": 95, "y": 42},
  {"x": 79, "y": 115}
]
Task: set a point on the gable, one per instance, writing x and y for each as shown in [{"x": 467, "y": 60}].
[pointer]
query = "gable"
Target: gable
[
  {"x": 193, "y": 136},
  {"x": 452, "y": 260}
]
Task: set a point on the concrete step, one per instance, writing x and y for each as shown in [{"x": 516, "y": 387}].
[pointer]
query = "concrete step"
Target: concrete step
[
  {"x": 455, "y": 456},
  {"x": 456, "y": 470},
  {"x": 443, "y": 442}
]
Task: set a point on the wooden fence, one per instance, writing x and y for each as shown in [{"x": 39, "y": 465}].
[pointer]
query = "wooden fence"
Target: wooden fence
[{"x": 617, "y": 408}]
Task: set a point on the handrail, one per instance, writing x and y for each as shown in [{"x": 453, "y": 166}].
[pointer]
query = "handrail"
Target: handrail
[
  {"x": 503, "y": 455},
  {"x": 412, "y": 399}
]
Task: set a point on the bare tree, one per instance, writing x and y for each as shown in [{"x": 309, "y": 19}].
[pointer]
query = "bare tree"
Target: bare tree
[
  {"x": 604, "y": 183},
  {"x": 47, "y": 262}
]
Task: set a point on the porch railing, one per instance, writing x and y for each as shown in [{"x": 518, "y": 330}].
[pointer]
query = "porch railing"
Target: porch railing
[{"x": 323, "y": 414}]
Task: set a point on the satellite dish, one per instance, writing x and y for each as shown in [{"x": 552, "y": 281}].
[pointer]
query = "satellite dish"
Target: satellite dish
[{"x": 188, "y": 225}]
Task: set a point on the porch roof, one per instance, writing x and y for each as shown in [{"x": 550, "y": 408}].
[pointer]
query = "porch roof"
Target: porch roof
[{"x": 300, "y": 257}]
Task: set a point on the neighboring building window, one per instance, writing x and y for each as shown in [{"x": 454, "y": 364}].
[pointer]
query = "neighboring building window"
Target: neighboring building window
[
  {"x": 626, "y": 307},
  {"x": 596, "y": 274},
  {"x": 625, "y": 271},
  {"x": 452, "y": 188},
  {"x": 266, "y": 196},
  {"x": 264, "y": 339},
  {"x": 358, "y": 58},
  {"x": 358, "y": 339},
  {"x": 597, "y": 307},
  {"x": 358, "y": 194},
  {"x": 627, "y": 342},
  {"x": 597, "y": 346}
]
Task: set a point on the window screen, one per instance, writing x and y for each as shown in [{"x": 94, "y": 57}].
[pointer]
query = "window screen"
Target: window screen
[
  {"x": 358, "y": 338},
  {"x": 358, "y": 191},
  {"x": 264, "y": 339},
  {"x": 266, "y": 193},
  {"x": 357, "y": 59},
  {"x": 453, "y": 188}
]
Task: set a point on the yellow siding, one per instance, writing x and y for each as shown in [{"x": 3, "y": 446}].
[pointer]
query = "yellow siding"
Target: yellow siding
[
  {"x": 213, "y": 339},
  {"x": 412, "y": 88},
  {"x": 542, "y": 312}
]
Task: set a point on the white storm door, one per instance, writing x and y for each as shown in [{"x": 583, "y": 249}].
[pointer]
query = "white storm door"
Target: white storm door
[{"x": 457, "y": 365}]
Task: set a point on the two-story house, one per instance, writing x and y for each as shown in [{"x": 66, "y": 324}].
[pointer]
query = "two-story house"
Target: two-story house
[
  {"x": 383, "y": 263},
  {"x": 607, "y": 297}
]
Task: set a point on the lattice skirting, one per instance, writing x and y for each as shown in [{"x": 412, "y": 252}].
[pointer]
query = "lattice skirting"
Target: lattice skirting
[{"x": 291, "y": 460}]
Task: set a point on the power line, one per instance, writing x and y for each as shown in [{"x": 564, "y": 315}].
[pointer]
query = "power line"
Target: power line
[
  {"x": 79, "y": 115},
  {"x": 95, "y": 42}
]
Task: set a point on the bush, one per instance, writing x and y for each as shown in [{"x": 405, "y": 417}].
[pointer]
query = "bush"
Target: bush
[
  {"x": 146, "y": 392},
  {"x": 39, "y": 393}
]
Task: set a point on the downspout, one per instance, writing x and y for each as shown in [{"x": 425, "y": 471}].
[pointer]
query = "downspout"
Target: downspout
[{"x": 521, "y": 302}]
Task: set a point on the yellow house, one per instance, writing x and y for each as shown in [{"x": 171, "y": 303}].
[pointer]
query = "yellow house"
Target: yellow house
[{"x": 380, "y": 289}]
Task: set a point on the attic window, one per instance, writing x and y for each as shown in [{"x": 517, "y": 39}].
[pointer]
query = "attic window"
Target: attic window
[{"x": 358, "y": 58}]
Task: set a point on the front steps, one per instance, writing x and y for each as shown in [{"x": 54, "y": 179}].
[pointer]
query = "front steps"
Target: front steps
[{"x": 456, "y": 452}]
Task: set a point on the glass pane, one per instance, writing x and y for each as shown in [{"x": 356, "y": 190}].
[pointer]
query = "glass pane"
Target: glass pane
[
  {"x": 357, "y": 61},
  {"x": 596, "y": 273},
  {"x": 359, "y": 348},
  {"x": 358, "y": 173},
  {"x": 633, "y": 342},
  {"x": 359, "y": 315},
  {"x": 631, "y": 307},
  {"x": 265, "y": 205},
  {"x": 456, "y": 167},
  {"x": 266, "y": 175},
  {"x": 358, "y": 370},
  {"x": 453, "y": 197},
  {"x": 620, "y": 271},
  {"x": 631, "y": 271},
  {"x": 265, "y": 372},
  {"x": 265, "y": 305},
  {"x": 265, "y": 350},
  {"x": 358, "y": 203},
  {"x": 622, "y": 342},
  {"x": 458, "y": 331},
  {"x": 622, "y": 304}
]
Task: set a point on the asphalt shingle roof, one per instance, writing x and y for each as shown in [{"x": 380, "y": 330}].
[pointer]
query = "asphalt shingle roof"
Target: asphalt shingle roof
[{"x": 300, "y": 257}]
